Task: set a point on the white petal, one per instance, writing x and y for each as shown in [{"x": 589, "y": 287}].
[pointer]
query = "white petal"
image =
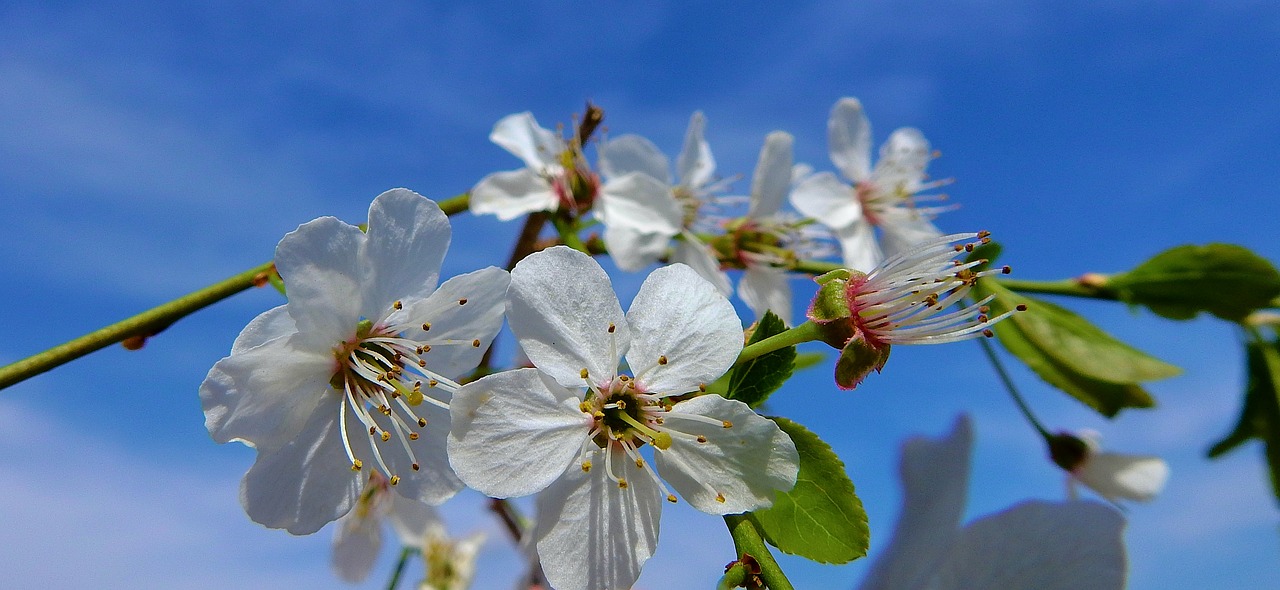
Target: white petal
[
  {"x": 560, "y": 307},
  {"x": 826, "y": 199},
  {"x": 591, "y": 533},
  {"x": 1131, "y": 477},
  {"x": 512, "y": 193},
  {"x": 264, "y": 395},
  {"x": 456, "y": 326},
  {"x": 355, "y": 547},
  {"x": 849, "y": 139},
  {"x": 434, "y": 481},
  {"x": 901, "y": 229},
  {"x": 633, "y": 250},
  {"x": 641, "y": 202},
  {"x": 766, "y": 288},
  {"x": 410, "y": 519},
  {"x": 407, "y": 238},
  {"x": 304, "y": 485},
  {"x": 858, "y": 244},
  {"x": 1039, "y": 546},
  {"x": 747, "y": 463},
  {"x": 320, "y": 263},
  {"x": 903, "y": 159},
  {"x": 935, "y": 481},
  {"x": 772, "y": 177},
  {"x": 269, "y": 325},
  {"x": 680, "y": 316},
  {"x": 695, "y": 166},
  {"x": 701, "y": 259},
  {"x": 521, "y": 135},
  {"x": 632, "y": 153},
  {"x": 515, "y": 432}
]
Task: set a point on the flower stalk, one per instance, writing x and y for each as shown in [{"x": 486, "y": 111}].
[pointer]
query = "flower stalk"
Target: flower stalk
[
  {"x": 806, "y": 332},
  {"x": 747, "y": 541}
]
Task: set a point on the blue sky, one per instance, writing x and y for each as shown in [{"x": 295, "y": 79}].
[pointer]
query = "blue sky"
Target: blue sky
[{"x": 149, "y": 149}]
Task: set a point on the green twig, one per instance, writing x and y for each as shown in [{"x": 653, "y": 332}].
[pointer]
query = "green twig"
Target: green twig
[
  {"x": 1070, "y": 287},
  {"x": 399, "y": 571},
  {"x": 805, "y": 332},
  {"x": 138, "y": 327},
  {"x": 747, "y": 541}
]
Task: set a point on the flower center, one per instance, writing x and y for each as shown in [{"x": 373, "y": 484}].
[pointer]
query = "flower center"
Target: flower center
[{"x": 625, "y": 415}]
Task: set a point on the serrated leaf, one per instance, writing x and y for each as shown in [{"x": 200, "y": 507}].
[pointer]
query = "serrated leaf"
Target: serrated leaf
[
  {"x": 1226, "y": 280},
  {"x": 753, "y": 381},
  {"x": 821, "y": 518},
  {"x": 1073, "y": 355}
]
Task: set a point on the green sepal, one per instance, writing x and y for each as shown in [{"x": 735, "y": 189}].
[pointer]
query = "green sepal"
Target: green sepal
[
  {"x": 830, "y": 309},
  {"x": 751, "y": 382},
  {"x": 857, "y": 359},
  {"x": 1072, "y": 354},
  {"x": 821, "y": 518},
  {"x": 1226, "y": 280},
  {"x": 1260, "y": 412}
]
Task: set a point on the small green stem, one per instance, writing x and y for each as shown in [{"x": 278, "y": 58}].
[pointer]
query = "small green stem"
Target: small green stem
[
  {"x": 399, "y": 571},
  {"x": 1013, "y": 389},
  {"x": 816, "y": 267},
  {"x": 1070, "y": 287},
  {"x": 805, "y": 332},
  {"x": 455, "y": 204},
  {"x": 568, "y": 231},
  {"x": 143, "y": 325},
  {"x": 747, "y": 541}
]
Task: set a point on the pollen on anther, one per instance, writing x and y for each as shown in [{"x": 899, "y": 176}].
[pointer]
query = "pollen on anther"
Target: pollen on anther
[
  {"x": 726, "y": 423},
  {"x": 432, "y": 383},
  {"x": 476, "y": 343},
  {"x": 720, "y": 498},
  {"x": 586, "y": 466},
  {"x": 702, "y": 439},
  {"x": 671, "y": 498},
  {"x": 662, "y": 360},
  {"x": 413, "y": 436},
  {"x": 584, "y": 407},
  {"x": 702, "y": 387},
  {"x": 639, "y": 463},
  {"x": 583, "y": 373},
  {"x": 462, "y": 301},
  {"x": 356, "y": 465},
  {"x": 373, "y": 430},
  {"x": 397, "y": 305},
  {"x": 425, "y": 348},
  {"x": 395, "y": 479},
  {"x": 416, "y": 467},
  {"x": 612, "y": 327},
  {"x": 422, "y": 363},
  {"x": 422, "y": 422},
  {"x": 386, "y": 436},
  {"x": 426, "y": 326},
  {"x": 622, "y": 483}
]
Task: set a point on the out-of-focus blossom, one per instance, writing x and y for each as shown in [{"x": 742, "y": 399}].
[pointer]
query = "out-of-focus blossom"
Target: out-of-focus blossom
[
  {"x": 555, "y": 174},
  {"x": 359, "y": 536},
  {"x": 1114, "y": 476}
]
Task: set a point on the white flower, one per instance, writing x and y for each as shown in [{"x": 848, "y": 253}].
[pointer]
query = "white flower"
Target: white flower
[
  {"x": 884, "y": 197},
  {"x": 574, "y": 427},
  {"x": 359, "y": 535},
  {"x": 1033, "y": 545},
  {"x": 552, "y": 168},
  {"x": 353, "y": 372},
  {"x": 1113, "y": 476},
  {"x": 450, "y": 563},
  {"x": 914, "y": 297},
  {"x": 642, "y": 209}
]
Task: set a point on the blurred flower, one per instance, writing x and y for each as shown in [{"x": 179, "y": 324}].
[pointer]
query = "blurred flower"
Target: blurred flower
[
  {"x": 1113, "y": 476},
  {"x": 359, "y": 536},
  {"x": 1033, "y": 545},
  {"x": 450, "y": 563},
  {"x": 885, "y": 197},
  {"x": 351, "y": 371},
  {"x": 574, "y": 427},
  {"x": 904, "y": 300},
  {"x": 555, "y": 172}
]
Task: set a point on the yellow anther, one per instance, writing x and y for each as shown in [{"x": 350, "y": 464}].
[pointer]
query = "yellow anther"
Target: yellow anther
[
  {"x": 640, "y": 463},
  {"x": 413, "y": 436},
  {"x": 586, "y": 466},
  {"x": 702, "y": 387},
  {"x": 671, "y": 498},
  {"x": 422, "y": 422},
  {"x": 612, "y": 327},
  {"x": 583, "y": 373},
  {"x": 720, "y": 498},
  {"x": 395, "y": 479},
  {"x": 462, "y": 301},
  {"x": 702, "y": 439},
  {"x": 386, "y": 436},
  {"x": 662, "y": 440},
  {"x": 584, "y": 407},
  {"x": 397, "y": 305},
  {"x": 476, "y": 343},
  {"x": 422, "y": 363},
  {"x": 385, "y": 410},
  {"x": 622, "y": 483},
  {"x": 426, "y": 326},
  {"x": 425, "y": 348},
  {"x": 662, "y": 360},
  {"x": 373, "y": 430},
  {"x": 356, "y": 465},
  {"x": 727, "y": 424}
]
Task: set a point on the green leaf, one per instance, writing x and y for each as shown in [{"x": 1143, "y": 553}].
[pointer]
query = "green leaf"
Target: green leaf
[
  {"x": 753, "y": 381},
  {"x": 822, "y": 518},
  {"x": 804, "y": 360},
  {"x": 1260, "y": 412},
  {"x": 1225, "y": 280},
  {"x": 1072, "y": 354}
]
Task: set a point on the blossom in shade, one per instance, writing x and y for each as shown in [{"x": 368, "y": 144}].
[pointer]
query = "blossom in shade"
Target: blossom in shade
[
  {"x": 643, "y": 208},
  {"x": 355, "y": 371},
  {"x": 885, "y": 197},
  {"x": 359, "y": 536},
  {"x": 1033, "y": 545},
  {"x": 914, "y": 297},
  {"x": 575, "y": 429},
  {"x": 450, "y": 563},
  {"x": 1114, "y": 476},
  {"x": 555, "y": 172}
]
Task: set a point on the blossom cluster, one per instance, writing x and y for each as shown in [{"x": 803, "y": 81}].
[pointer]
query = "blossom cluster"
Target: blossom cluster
[{"x": 368, "y": 394}]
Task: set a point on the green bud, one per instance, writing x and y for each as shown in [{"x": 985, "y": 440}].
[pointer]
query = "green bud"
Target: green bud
[{"x": 830, "y": 308}]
